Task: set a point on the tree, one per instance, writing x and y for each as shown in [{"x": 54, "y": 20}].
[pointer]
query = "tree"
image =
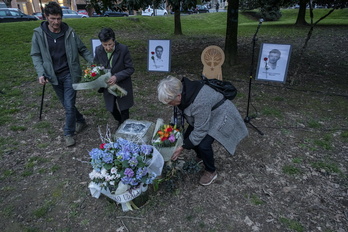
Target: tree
[
  {"x": 301, "y": 16},
  {"x": 176, "y": 7},
  {"x": 8, "y": 3},
  {"x": 231, "y": 32}
]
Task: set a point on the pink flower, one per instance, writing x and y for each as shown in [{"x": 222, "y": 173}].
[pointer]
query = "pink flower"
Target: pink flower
[
  {"x": 171, "y": 138},
  {"x": 265, "y": 59}
]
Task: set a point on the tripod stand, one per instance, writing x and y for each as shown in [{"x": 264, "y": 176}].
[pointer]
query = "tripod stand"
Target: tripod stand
[{"x": 248, "y": 119}]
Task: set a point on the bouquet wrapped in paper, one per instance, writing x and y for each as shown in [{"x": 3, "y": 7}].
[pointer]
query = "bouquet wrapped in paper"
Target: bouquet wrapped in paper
[
  {"x": 122, "y": 170},
  {"x": 166, "y": 139},
  {"x": 96, "y": 77}
]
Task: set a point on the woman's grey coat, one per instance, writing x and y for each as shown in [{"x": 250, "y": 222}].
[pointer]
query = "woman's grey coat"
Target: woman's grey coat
[
  {"x": 224, "y": 124},
  {"x": 122, "y": 68}
]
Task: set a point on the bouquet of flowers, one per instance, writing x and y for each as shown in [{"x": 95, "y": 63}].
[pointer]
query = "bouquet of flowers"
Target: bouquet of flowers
[
  {"x": 166, "y": 139},
  {"x": 121, "y": 161},
  {"x": 96, "y": 77},
  {"x": 123, "y": 169},
  {"x": 166, "y": 136},
  {"x": 92, "y": 72}
]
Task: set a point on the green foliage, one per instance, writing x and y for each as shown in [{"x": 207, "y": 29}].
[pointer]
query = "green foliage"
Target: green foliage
[
  {"x": 173, "y": 172},
  {"x": 292, "y": 224},
  {"x": 255, "y": 200},
  {"x": 291, "y": 170},
  {"x": 328, "y": 166},
  {"x": 344, "y": 134},
  {"x": 43, "y": 210},
  {"x": 324, "y": 142}
]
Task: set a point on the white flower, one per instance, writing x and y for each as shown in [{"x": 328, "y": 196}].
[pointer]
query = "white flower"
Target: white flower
[
  {"x": 113, "y": 170},
  {"x": 95, "y": 175},
  {"x": 104, "y": 172}
]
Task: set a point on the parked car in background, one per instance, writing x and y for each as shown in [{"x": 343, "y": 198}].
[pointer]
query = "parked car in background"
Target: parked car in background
[
  {"x": 67, "y": 13},
  {"x": 112, "y": 13},
  {"x": 38, "y": 15},
  {"x": 82, "y": 12},
  {"x": 201, "y": 9},
  {"x": 149, "y": 11},
  {"x": 8, "y": 15},
  {"x": 95, "y": 14}
]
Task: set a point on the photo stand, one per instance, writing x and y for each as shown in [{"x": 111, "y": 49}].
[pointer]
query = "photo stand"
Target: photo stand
[
  {"x": 248, "y": 119},
  {"x": 159, "y": 56},
  {"x": 273, "y": 62}
]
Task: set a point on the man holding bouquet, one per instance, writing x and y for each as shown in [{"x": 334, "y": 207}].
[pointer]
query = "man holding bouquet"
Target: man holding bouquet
[
  {"x": 55, "y": 53},
  {"x": 116, "y": 57}
]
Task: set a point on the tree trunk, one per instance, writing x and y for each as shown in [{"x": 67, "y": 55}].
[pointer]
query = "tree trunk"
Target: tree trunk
[
  {"x": 231, "y": 33},
  {"x": 177, "y": 22},
  {"x": 301, "y": 16}
]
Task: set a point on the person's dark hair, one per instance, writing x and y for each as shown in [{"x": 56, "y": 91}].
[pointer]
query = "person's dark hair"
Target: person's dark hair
[
  {"x": 159, "y": 46},
  {"x": 106, "y": 34},
  {"x": 53, "y": 8}
]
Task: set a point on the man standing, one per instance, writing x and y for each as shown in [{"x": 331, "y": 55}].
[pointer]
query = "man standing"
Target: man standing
[{"x": 55, "y": 53}]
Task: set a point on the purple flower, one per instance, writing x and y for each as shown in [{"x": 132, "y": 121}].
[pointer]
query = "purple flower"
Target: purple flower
[
  {"x": 129, "y": 172},
  {"x": 141, "y": 172},
  {"x": 171, "y": 138},
  {"x": 146, "y": 149}
]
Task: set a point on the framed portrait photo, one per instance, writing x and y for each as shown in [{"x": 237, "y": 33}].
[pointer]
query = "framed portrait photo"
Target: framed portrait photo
[
  {"x": 159, "y": 55},
  {"x": 95, "y": 43},
  {"x": 273, "y": 62}
]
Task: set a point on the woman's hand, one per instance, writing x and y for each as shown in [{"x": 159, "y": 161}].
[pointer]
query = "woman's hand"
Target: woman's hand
[
  {"x": 112, "y": 80},
  {"x": 177, "y": 153}
]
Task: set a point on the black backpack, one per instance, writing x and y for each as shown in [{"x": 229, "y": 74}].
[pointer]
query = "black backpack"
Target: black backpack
[{"x": 224, "y": 87}]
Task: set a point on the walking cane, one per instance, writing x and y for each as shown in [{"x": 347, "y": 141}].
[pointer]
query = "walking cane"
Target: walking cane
[{"x": 42, "y": 98}]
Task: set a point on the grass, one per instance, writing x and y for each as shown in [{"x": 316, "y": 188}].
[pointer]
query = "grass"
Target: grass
[
  {"x": 292, "y": 224},
  {"x": 328, "y": 166}
]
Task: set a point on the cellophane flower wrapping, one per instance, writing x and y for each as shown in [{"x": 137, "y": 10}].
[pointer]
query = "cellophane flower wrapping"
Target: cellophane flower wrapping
[{"x": 166, "y": 139}]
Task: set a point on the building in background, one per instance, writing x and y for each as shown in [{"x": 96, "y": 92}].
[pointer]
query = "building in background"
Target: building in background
[{"x": 31, "y": 6}]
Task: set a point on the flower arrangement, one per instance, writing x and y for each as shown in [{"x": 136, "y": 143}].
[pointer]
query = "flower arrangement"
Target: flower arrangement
[
  {"x": 92, "y": 72},
  {"x": 166, "y": 136},
  {"x": 121, "y": 161}
]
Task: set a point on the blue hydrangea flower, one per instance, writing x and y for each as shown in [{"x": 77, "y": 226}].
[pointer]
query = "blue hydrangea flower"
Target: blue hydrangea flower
[
  {"x": 133, "y": 162},
  {"x": 141, "y": 172},
  {"x": 146, "y": 149},
  {"x": 108, "y": 157},
  {"x": 95, "y": 153}
]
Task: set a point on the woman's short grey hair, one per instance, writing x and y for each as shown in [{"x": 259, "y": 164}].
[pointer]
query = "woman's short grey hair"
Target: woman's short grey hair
[{"x": 168, "y": 89}]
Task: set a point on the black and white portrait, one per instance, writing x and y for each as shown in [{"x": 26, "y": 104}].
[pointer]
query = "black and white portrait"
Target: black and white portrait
[
  {"x": 159, "y": 55},
  {"x": 273, "y": 62}
]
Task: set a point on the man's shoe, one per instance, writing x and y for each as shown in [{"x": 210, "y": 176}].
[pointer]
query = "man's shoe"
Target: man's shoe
[
  {"x": 207, "y": 178},
  {"x": 80, "y": 127},
  {"x": 69, "y": 140}
]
